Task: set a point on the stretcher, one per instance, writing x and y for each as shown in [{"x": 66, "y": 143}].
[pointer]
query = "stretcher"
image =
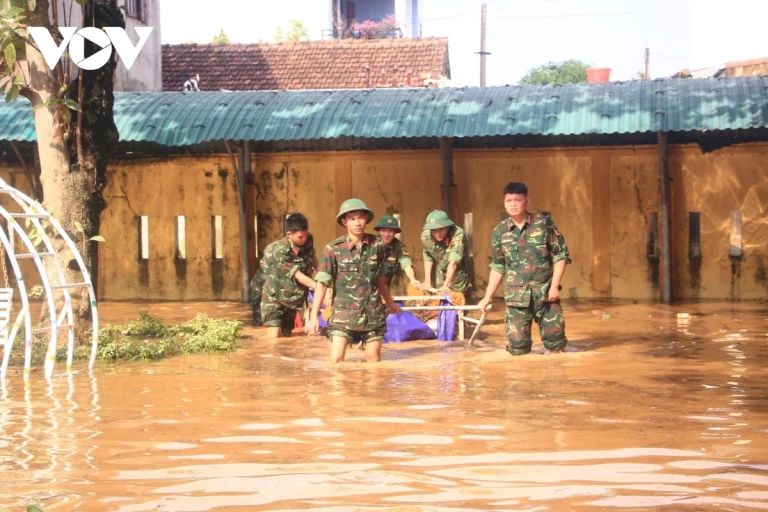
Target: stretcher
[{"x": 461, "y": 310}]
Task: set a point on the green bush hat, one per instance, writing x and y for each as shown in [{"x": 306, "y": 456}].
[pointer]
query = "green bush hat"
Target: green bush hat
[
  {"x": 388, "y": 222},
  {"x": 437, "y": 219},
  {"x": 353, "y": 205}
]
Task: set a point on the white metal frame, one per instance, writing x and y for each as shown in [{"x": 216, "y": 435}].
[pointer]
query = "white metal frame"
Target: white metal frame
[
  {"x": 33, "y": 211},
  {"x": 478, "y": 323}
]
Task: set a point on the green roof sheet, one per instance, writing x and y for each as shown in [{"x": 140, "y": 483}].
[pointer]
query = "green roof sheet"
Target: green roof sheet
[{"x": 673, "y": 105}]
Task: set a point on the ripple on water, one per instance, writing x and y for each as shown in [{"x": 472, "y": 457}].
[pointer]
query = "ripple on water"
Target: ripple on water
[
  {"x": 420, "y": 439},
  {"x": 252, "y": 439},
  {"x": 260, "y": 426},
  {"x": 204, "y": 456},
  {"x": 392, "y": 455},
  {"x": 323, "y": 433},
  {"x": 309, "y": 422},
  {"x": 384, "y": 419},
  {"x": 174, "y": 446}
]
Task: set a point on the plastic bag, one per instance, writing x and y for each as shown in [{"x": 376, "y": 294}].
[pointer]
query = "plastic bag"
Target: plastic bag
[
  {"x": 446, "y": 322},
  {"x": 321, "y": 321},
  {"x": 404, "y": 326}
]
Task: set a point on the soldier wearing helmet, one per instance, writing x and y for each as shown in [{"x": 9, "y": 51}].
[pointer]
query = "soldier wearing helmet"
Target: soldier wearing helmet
[{"x": 353, "y": 267}]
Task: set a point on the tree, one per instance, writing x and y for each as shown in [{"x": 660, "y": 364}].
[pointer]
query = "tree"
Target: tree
[
  {"x": 220, "y": 38},
  {"x": 74, "y": 125},
  {"x": 296, "y": 32},
  {"x": 567, "y": 72}
]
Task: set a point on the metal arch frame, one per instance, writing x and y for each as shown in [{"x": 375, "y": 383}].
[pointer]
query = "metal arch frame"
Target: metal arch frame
[{"x": 35, "y": 212}]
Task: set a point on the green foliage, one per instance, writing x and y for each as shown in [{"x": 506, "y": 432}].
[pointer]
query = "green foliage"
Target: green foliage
[
  {"x": 148, "y": 339},
  {"x": 220, "y": 38},
  {"x": 567, "y": 72},
  {"x": 12, "y": 44},
  {"x": 296, "y": 32},
  {"x": 34, "y": 508}
]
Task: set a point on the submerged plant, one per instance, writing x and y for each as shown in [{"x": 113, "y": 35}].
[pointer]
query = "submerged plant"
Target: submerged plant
[{"x": 147, "y": 339}]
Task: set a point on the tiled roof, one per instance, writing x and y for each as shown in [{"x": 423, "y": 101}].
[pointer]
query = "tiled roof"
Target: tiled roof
[
  {"x": 333, "y": 64},
  {"x": 638, "y": 106}
]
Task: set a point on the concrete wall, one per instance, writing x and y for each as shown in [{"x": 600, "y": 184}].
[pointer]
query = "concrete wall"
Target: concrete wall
[{"x": 598, "y": 197}]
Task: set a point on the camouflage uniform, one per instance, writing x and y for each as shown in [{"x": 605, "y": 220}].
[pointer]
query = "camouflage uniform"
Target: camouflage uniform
[
  {"x": 283, "y": 296},
  {"x": 358, "y": 312},
  {"x": 257, "y": 284},
  {"x": 453, "y": 248},
  {"x": 395, "y": 256},
  {"x": 525, "y": 257},
  {"x": 396, "y": 253}
]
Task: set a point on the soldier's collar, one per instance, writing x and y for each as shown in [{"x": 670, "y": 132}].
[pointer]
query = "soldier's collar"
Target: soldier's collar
[
  {"x": 351, "y": 243},
  {"x": 527, "y": 222}
]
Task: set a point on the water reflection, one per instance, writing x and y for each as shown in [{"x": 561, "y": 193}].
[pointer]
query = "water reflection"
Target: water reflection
[{"x": 653, "y": 411}]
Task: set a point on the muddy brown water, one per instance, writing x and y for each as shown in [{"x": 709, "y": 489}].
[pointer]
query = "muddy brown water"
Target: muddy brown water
[{"x": 644, "y": 412}]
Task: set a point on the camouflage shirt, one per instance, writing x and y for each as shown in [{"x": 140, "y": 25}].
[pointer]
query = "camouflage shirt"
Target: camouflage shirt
[
  {"x": 525, "y": 257},
  {"x": 395, "y": 254},
  {"x": 353, "y": 273},
  {"x": 453, "y": 248},
  {"x": 281, "y": 260}
]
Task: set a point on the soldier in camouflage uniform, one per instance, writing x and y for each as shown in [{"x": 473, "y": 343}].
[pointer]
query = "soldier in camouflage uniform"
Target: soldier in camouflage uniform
[
  {"x": 286, "y": 266},
  {"x": 395, "y": 251},
  {"x": 257, "y": 284},
  {"x": 353, "y": 265},
  {"x": 530, "y": 254},
  {"x": 445, "y": 247}
]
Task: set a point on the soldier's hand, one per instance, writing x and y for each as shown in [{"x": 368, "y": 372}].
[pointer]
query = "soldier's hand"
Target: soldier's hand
[
  {"x": 444, "y": 289},
  {"x": 393, "y": 308},
  {"x": 484, "y": 303},
  {"x": 553, "y": 295},
  {"x": 313, "y": 327}
]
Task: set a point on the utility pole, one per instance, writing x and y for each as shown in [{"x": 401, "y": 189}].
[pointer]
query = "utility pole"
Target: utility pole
[
  {"x": 483, "y": 53},
  {"x": 647, "y": 64}
]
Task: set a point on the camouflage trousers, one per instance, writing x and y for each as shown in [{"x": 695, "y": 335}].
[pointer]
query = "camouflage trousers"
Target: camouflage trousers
[
  {"x": 548, "y": 317},
  {"x": 357, "y": 337},
  {"x": 257, "y": 284},
  {"x": 274, "y": 314}
]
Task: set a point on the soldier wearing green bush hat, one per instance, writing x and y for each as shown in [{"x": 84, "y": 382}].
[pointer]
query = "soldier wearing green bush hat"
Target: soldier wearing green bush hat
[
  {"x": 353, "y": 267},
  {"x": 396, "y": 253},
  {"x": 445, "y": 251}
]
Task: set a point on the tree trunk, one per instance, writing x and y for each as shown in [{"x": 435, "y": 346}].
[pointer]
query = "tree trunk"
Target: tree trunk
[{"x": 73, "y": 183}]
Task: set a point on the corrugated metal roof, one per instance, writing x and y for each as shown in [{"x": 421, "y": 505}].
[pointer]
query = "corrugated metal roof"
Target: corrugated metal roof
[{"x": 673, "y": 105}]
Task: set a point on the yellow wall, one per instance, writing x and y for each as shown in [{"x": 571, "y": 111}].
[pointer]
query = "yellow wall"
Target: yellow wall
[
  {"x": 598, "y": 197},
  {"x": 162, "y": 189}
]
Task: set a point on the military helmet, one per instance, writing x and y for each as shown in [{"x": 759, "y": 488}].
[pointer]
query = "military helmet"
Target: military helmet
[
  {"x": 437, "y": 219},
  {"x": 388, "y": 222},
  {"x": 352, "y": 205}
]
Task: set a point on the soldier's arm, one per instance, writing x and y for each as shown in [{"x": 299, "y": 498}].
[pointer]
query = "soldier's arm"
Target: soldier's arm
[
  {"x": 404, "y": 259},
  {"x": 304, "y": 279},
  {"x": 455, "y": 255},
  {"x": 429, "y": 261},
  {"x": 381, "y": 282},
  {"x": 326, "y": 272},
  {"x": 497, "y": 269},
  {"x": 560, "y": 258}
]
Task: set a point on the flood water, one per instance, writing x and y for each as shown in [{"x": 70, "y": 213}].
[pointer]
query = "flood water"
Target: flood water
[{"x": 645, "y": 411}]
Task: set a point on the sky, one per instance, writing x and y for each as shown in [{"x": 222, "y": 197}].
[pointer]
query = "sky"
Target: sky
[{"x": 522, "y": 34}]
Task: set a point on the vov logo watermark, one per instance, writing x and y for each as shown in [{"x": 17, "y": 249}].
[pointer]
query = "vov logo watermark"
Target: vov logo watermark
[{"x": 75, "y": 39}]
